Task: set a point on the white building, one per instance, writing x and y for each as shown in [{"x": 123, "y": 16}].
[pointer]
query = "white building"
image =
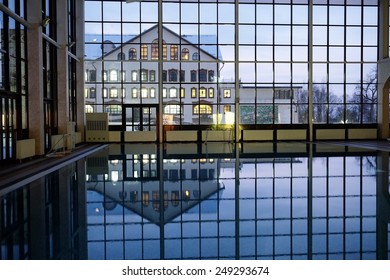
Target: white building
[{"x": 124, "y": 80}]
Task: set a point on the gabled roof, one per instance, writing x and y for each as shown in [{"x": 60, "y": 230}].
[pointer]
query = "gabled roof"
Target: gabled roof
[{"x": 204, "y": 43}]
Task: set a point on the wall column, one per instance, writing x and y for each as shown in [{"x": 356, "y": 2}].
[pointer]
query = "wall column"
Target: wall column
[
  {"x": 80, "y": 67},
  {"x": 35, "y": 76},
  {"x": 62, "y": 66},
  {"x": 383, "y": 70}
]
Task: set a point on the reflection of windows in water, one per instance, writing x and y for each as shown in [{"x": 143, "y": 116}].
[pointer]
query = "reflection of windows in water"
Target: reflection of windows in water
[
  {"x": 174, "y": 174},
  {"x": 194, "y": 174},
  {"x": 211, "y": 173},
  {"x": 182, "y": 174},
  {"x": 145, "y": 199},
  {"x": 122, "y": 195},
  {"x": 165, "y": 174},
  {"x": 145, "y": 173},
  {"x": 175, "y": 197},
  {"x": 186, "y": 195},
  {"x": 156, "y": 200},
  {"x": 196, "y": 194},
  {"x": 134, "y": 196},
  {"x": 203, "y": 174},
  {"x": 153, "y": 173}
]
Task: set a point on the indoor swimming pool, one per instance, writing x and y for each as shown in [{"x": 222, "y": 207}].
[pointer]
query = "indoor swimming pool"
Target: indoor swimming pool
[{"x": 204, "y": 201}]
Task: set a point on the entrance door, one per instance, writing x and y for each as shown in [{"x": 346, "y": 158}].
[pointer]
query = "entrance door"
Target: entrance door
[{"x": 138, "y": 120}]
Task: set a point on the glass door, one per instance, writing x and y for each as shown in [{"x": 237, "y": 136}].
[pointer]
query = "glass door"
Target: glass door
[
  {"x": 141, "y": 118},
  {"x": 7, "y": 129}
]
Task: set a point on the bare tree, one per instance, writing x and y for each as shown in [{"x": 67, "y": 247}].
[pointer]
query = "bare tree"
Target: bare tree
[{"x": 365, "y": 94}]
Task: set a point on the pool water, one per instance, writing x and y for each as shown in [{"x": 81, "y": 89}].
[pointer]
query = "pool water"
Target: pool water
[{"x": 205, "y": 201}]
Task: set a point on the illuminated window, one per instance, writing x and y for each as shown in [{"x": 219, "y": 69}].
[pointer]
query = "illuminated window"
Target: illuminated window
[
  {"x": 114, "y": 109},
  {"x": 152, "y": 75},
  {"x": 105, "y": 75},
  {"x": 193, "y": 93},
  {"x": 152, "y": 92},
  {"x": 211, "y": 92},
  {"x": 226, "y": 93},
  {"x": 134, "y": 75},
  {"x": 172, "y": 109},
  {"x": 185, "y": 54},
  {"x": 202, "y": 92},
  {"x": 174, "y": 52},
  {"x": 144, "y": 75},
  {"x": 134, "y": 93},
  {"x": 123, "y": 76},
  {"x": 105, "y": 92},
  {"x": 144, "y": 92},
  {"x": 202, "y": 109},
  {"x": 113, "y": 92},
  {"x": 144, "y": 51},
  {"x": 113, "y": 75},
  {"x": 182, "y": 92},
  {"x": 164, "y": 93},
  {"x": 227, "y": 108},
  {"x": 155, "y": 50},
  {"x": 88, "y": 109},
  {"x": 173, "y": 93}
]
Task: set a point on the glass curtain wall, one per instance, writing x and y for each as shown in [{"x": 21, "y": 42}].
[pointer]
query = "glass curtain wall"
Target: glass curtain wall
[
  {"x": 49, "y": 72},
  {"x": 71, "y": 60},
  {"x": 13, "y": 79},
  {"x": 219, "y": 63}
]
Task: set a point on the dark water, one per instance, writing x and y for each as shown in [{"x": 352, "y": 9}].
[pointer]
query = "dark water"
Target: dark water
[{"x": 214, "y": 201}]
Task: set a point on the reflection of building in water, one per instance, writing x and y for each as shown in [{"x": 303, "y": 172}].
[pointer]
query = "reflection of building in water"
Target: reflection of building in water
[
  {"x": 135, "y": 184},
  {"x": 320, "y": 207}
]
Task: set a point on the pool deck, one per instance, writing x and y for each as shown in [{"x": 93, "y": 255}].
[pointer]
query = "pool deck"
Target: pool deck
[{"x": 18, "y": 171}]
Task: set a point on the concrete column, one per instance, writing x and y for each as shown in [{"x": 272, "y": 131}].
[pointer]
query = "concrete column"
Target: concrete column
[
  {"x": 62, "y": 66},
  {"x": 80, "y": 67},
  {"x": 35, "y": 76},
  {"x": 383, "y": 70}
]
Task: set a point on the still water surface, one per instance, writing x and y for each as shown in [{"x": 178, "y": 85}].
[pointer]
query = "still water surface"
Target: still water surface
[{"x": 215, "y": 201}]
